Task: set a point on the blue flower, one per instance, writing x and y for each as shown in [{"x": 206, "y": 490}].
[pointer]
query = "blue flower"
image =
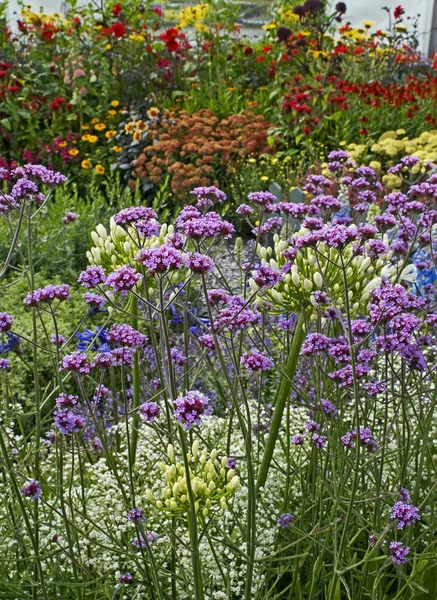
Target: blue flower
[
  {"x": 92, "y": 339},
  {"x": 12, "y": 343}
]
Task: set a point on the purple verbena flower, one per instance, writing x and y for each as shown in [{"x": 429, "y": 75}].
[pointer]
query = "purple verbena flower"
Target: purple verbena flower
[
  {"x": 76, "y": 362},
  {"x": 191, "y": 408},
  {"x": 31, "y": 490},
  {"x": 285, "y": 520},
  {"x": 149, "y": 411},
  {"x": 405, "y": 514},
  {"x": 256, "y": 361},
  {"x": 68, "y": 422},
  {"x": 123, "y": 279},
  {"x": 6, "y": 321},
  {"x": 399, "y": 552},
  {"x": 135, "y": 515},
  {"x": 125, "y": 335},
  {"x": 48, "y": 294},
  {"x": 199, "y": 263},
  {"x": 160, "y": 259},
  {"x": 92, "y": 276}
]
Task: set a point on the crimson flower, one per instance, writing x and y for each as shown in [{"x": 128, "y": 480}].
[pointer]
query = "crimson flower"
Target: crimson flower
[
  {"x": 118, "y": 29},
  {"x": 117, "y": 9},
  {"x": 398, "y": 12}
]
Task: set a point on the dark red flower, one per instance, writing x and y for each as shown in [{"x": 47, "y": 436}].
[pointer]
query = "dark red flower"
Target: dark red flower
[
  {"x": 170, "y": 38},
  {"x": 117, "y": 9},
  {"x": 398, "y": 12},
  {"x": 118, "y": 30}
]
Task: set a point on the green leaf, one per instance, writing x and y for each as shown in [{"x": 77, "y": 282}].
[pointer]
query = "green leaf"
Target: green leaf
[
  {"x": 336, "y": 116},
  {"x": 6, "y": 124}
]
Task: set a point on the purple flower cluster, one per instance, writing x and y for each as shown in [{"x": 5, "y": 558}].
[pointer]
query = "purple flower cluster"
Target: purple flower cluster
[
  {"x": 405, "y": 514},
  {"x": 126, "y": 577},
  {"x": 132, "y": 214},
  {"x": 149, "y": 411},
  {"x": 4, "y": 364},
  {"x": 256, "y": 361},
  {"x": 191, "y": 408},
  {"x": 197, "y": 226},
  {"x": 48, "y": 294},
  {"x": 69, "y": 217},
  {"x": 64, "y": 400},
  {"x": 24, "y": 188},
  {"x": 68, "y": 422},
  {"x": 6, "y": 321},
  {"x": 40, "y": 173},
  {"x": 207, "y": 196},
  {"x": 199, "y": 263},
  {"x": 143, "y": 543},
  {"x": 94, "y": 300},
  {"x": 265, "y": 276},
  {"x": 92, "y": 276},
  {"x": 125, "y": 335},
  {"x": 399, "y": 552},
  {"x": 123, "y": 279},
  {"x": 160, "y": 259},
  {"x": 31, "y": 490},
  {"x": 285, "y": 520},
  {"x": 76, "y": 362},
  {"x": 135, "y": 515},
  {"x": 366, "y": 439}
]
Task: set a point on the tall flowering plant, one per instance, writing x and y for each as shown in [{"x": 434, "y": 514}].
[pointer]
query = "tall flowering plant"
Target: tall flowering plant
[{"x": 256, "y": 426}]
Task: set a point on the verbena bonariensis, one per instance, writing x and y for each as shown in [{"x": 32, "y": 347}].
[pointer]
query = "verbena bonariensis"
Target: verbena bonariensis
[{"x": 237, "y": 421}]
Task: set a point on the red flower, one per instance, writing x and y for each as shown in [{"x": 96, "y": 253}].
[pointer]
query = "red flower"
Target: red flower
[
  {"x": 117, "y": 9},
  {"x": 3, "y": 73},
  {"x": 118, "y": 30},
  {"x": 77, "y": 21},
  {"x": 363, "y": 131},
  {"x": 398, "y": 12},
  {"x": 170, "y": 38},
  {"x": 158, "y": 11},
  {"x": 267, "y": 48}
]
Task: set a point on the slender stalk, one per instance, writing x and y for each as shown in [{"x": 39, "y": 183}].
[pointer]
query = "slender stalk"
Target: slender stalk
[
  {"x": 136, "y": 389},
  {"x": 281, "y": 399}
]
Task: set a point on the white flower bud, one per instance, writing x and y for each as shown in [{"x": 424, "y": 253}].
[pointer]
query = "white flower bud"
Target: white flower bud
[
  {"x": 253, "y": 286},
  {"x": 101, "y": 231},
  {"x": 126, "y": 247},
  {"x": 170, "y": 452},
  {"x": 95, "y": 238},
  {"x": 96, "y": 254},
  {"x": 195, "y": 448},
  {"x": 308, "y": 285},
  {"x": 318, "y": 280},
  {"x": 296, "y": 279}
]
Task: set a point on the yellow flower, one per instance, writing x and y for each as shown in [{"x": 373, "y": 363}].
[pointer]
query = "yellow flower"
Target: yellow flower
[
  {"x": 100, "y": 126},
  {"x": 110, "y": 134},
  {"x": 368, "y": 24},
  {"x": 112, "y": 112},
  {"x": 92, "y": 139},
  {"x": 264, "y": 178},
  {"x": 62, "y": 144},
  {"x": 269, "y": 26},
  {"x": 85, "y": 127},
  {"x": 153, "y": 112},
  {"x": 342, "y": 143},
  {"x": 95, "y": 120},
  {"x": 99, "y": 169},
  {"x": 201, "y": 27},
  {"x": 86, "y": 164},
  {"x": 73, "y": 152},
  {"x": 85, "y": 137},
  {"x": 115, "y": 103},
  {"x": 136, "y": 37},
  {"x": 117, "y": 148},
  {"x": 108, "y": 47}
]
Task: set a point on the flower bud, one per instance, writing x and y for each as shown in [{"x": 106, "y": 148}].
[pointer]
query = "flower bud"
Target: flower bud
[
  {"x": 170, "y": 452},
  {"x": 318, "y": 280},
  {"x": 101, "y": 231}
]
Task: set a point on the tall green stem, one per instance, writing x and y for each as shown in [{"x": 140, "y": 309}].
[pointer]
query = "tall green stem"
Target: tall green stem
[
  {"x": 281, "y": 399},
  {"x": 136, "y": 385}
]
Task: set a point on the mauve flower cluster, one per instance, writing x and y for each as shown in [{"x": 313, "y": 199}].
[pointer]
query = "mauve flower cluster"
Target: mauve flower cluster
[
  {"x": 132, "y": 214},
  {"x": 256, "y": 361},
  {"x": 199, "y": 263},
  {"x": 125, "y": 335},
  {"x": 31, "y": 490},
  {"x": 235, "y": 315},
  {"x": 197, "y": 226},
  {"x": 285, "y": 520},
  {"x": 399, "y": 552},
  {"x": 191, "y": 408},
  {"x": 366, "y": 439},
  {"x": 68, "y": 422},
  {"x": 93, "y": 276},
  {"x": 48, "y": 294},
  {"x": 40, "y": 173},
  {"x": 123, "y": 279},
  {"x": 149, "y": 411},
  {"x": 207, "y": 196},
  {"x": 6, "y": 321},
  {"x": 135, "y": 515},
  {"x": 405, "y": 514},
  {"x": 161, "y": 259},
  {"x": 76, "y": 362}
]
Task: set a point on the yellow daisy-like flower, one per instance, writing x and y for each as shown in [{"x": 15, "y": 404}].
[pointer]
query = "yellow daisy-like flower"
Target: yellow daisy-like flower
[
  {"x": 92, "y": 139},
  {"x": 135, "y": 37},
  {"x": 368, "y": 24},
  {"x": 115, "y": 103},
  {"x": 100, "y": 126},
  {"x": 95, "y": 120},
  {"x": 153, "y": 112},
  {"x": 85, "y": 137},
  {"x": 62, "y": 144},
  {"x": 99, "y": 169},
  {"x": 264, "y": 178},
  {"x": 269, "y": 26},
  {"x": 117, "y": 148},
  {"x": 73, "y": 152},
  {"x": 108, "y": 47},
  {"x": 85, "y": 127},
  {"x": 112, "y": 113},
  {"x": 110, "y": 134},
  {"x": 130, "y": 127},
  {"x": 86, "y": 164}
]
